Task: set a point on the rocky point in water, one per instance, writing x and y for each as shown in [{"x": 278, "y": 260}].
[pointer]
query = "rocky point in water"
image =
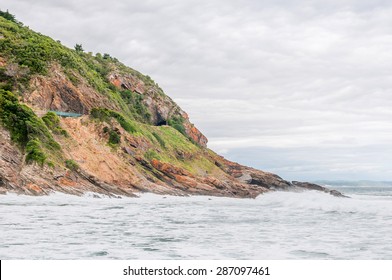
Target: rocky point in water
[{"x": 127, "y": 136}]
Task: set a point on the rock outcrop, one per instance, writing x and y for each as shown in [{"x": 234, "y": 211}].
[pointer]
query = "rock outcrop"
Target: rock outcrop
[
  {"x": 315, "y": 187},
  {"x": 56, "y": 92}
]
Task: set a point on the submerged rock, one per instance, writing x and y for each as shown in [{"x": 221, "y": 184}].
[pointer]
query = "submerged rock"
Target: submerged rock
[{"x": 315, "y": 187}]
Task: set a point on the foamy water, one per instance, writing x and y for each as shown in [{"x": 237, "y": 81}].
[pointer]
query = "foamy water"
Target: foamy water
[{"x": 281, "y": 225}]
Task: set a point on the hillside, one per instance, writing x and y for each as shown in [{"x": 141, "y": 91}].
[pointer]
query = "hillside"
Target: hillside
[{"x": 125, "y": 136}]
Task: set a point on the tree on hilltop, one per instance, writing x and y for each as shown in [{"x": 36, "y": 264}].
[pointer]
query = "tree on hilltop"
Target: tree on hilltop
[
  {"x": 79, "y": 48},
  {"x": 8, "y": 16}
]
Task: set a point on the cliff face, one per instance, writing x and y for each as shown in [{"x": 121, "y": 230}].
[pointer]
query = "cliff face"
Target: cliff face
[
  {"x": 130, "y": 137},
  {"x": 161, "y": 107},
  {"x": 56, "y": 92}
]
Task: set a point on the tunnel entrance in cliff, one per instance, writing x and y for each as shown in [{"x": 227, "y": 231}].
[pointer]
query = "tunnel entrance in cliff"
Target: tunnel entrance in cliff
[
  {"x": 161, "y": 122},
  {"x": 159, "y": 119}
]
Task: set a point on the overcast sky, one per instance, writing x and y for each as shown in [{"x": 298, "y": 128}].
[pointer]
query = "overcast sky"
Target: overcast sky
[{"x": 298, "y": 88}]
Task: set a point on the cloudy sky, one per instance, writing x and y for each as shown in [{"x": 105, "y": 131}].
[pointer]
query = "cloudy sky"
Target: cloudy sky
[{"x": 299, "y": 88}]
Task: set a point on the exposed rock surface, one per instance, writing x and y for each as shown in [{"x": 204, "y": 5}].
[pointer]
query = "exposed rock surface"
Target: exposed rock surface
[
  {"x": 103, "y": 171},
  {"x": 57, "y": 93}
]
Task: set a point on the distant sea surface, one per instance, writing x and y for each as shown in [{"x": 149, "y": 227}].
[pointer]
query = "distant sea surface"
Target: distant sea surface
[{"x": 280, "y": 225}]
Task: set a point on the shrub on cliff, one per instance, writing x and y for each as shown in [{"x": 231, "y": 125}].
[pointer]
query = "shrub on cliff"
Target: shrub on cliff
[
  {"x": 138, "y": 109},
  {"x": 177, "y": 122},
  {"x": 34, "y": 152},
  {"x": 26, "y": 129},
  {"x": 114, "y": 138},
  {"x": 52, "y": 121},
  {"x": 159, "y": 139},
  {"x": 104, "y": 114},
  {"x": 72, "y": 165}
]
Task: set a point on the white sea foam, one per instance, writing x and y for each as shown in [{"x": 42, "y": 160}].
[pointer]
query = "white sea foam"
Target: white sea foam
[{"x": 280, "y": 225}]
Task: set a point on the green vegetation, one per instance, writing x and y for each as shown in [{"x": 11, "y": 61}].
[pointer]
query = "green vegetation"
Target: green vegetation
[
  {"x": 178, "y": 150},
  {"x": 177, "y": 122},
  {"x": 79, "y": 48},
  {"x": 34, "y": 51},
  {"x": 52, "y": 121},
  {"x": 114, "y": 138},
  {"x": 6, "y": 82},
  {"x": 8, "y": 16},
  {"x": 176, "y": 142},
  {"x": 159, "y": 139},
  {"x": 134, "y": 101},
  {"x": 34, "y": 152},
  {"x": 72, "y": 165},
  {"x": 151, "y": 154},
  {"x": 27, "y": 54},
  {"x": 26, "y": 129},
  {"x": 104, "y": 114}
]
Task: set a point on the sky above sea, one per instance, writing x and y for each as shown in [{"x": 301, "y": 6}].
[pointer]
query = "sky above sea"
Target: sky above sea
[{"x": 298, "y": 88}]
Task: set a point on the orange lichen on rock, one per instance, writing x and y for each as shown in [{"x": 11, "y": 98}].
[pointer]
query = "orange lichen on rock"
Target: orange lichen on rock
[
  {"x": 186, "y": 181},
  {"x": 66, "y": 182},
  {"x": 195, "y": 134},
  {"x": 35, "y": 189},
  {"x": 127, "y": 82},
  {"x": 169, "y": 169}
]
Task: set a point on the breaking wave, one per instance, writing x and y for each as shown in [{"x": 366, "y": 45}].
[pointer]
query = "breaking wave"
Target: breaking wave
[{"x": 279, "y": 225}]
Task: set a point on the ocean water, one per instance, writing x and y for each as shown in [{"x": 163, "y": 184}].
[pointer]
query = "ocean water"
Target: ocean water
[{"x": 280, "y": 225}]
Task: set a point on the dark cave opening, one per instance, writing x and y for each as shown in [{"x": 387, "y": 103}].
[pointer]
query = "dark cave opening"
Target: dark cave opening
[{"x": 161, "y": 122}]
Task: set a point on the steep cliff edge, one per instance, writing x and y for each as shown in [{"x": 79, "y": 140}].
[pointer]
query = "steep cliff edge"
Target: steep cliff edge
[{"x": 129, "y": 137}]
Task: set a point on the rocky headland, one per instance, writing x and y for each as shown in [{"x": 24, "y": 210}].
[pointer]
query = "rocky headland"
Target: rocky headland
[{"x": 128, "y": 137}]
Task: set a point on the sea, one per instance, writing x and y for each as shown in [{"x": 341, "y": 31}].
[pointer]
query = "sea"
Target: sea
[{"x": 277, "y": 226}]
